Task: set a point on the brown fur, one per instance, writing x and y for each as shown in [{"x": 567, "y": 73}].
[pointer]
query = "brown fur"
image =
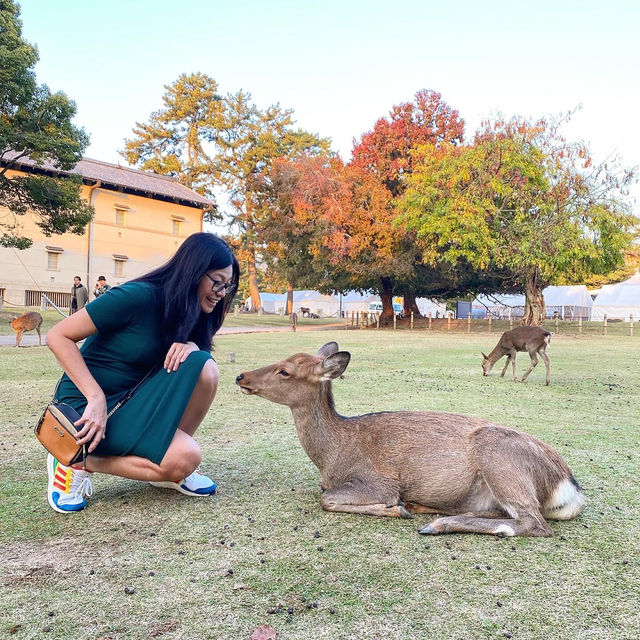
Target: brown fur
[
  {"x": 27, "y": 322},
  {"x": 532, "y": 339},
  {"x": 486, "y": 477},
  {"x": 305, "y": 311},
  {"x": 293, "y": 320}
]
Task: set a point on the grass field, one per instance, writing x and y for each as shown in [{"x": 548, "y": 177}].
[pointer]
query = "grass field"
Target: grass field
[{"x": 215, "y": 567}]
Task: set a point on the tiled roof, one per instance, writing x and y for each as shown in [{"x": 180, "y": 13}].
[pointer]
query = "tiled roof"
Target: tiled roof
[{"x": 122, "y": 178}]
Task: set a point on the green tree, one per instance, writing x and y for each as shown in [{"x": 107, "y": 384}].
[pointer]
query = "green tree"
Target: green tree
[
  {"x": 523, "y": 200},
  {"x": 175, "y": 140},
  {"x": 213, "y": 143},
  {"x": 35, "y": 124}
]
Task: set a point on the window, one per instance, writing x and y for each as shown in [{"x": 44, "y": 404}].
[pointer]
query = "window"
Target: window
[
  {"x": 177, "y": 224},
  {"x": 53, "y": 253},
  {"x": 121, "y": 210},
  {"x": 118, "y": 264}
]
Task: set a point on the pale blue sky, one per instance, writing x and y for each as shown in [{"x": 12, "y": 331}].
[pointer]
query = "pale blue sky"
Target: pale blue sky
[{"x": 342, "y": 64}]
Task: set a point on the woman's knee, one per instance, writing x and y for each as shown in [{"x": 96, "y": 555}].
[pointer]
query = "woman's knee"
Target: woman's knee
[
  {"x": 182, "y": 459},
  {"x": 209, "y": 375}
]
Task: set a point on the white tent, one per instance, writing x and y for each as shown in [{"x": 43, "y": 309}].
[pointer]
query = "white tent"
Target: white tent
[
  {"x": 269, "y": 301},
  {"x": 316, "y": 302},
  {"x": 618, "y": 301},
  {"x": 428, "y": 306},
  {"x": 568, "y": 302}
]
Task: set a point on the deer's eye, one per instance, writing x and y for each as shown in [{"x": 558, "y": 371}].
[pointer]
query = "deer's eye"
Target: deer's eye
[{"x": 283, "y": 373}]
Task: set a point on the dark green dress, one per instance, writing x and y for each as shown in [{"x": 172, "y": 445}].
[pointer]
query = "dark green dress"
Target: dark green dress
[{"x": 128, "y": 344}]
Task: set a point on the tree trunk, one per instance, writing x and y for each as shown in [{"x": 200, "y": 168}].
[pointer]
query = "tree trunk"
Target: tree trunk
[
  {"x": 254, "y": 292},
  {"x": 534, "y": 308},
  {"x": 289, "y": 309},
  {"x": 386, "y": 296},
  {"x": 411, "y": 305}
]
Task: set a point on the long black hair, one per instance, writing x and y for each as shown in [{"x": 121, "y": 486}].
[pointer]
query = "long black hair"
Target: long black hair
[{"x": 176, "y": 285}]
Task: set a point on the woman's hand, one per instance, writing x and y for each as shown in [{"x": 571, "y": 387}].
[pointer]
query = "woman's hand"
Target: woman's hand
[
  {"x": 93, "y": 423},
  {"x": 177, "y": 354}
]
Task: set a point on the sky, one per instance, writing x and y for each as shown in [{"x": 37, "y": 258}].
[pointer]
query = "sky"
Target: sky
[{"x": 342, "y": 64}]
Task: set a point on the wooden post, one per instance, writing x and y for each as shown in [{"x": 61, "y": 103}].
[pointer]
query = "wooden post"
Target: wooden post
[
  {"x": 412, "y": 319},
  {"x": 631, "y": 325},
  {"x": 377, "y": 320},
  {"x": 557, "y": 320},
  {"x": 580, "y": 324},
  {"x": 429, "y": 320},
  {"x": 510, "y": 320},
  {"x": 394, "y": 320},
  {"x": 448, "y": 320},
  {"x": 605, "y": 324},
  {"x": 469, "y": 323},
  {"x": 489, "y": 323}
]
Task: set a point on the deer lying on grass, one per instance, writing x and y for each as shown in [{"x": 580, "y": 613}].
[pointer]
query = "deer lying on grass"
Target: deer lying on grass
[
  {"x": 484, "y": 477},
  {"x": 27, "y": 322},
  {"x": 532, "y": 339}
]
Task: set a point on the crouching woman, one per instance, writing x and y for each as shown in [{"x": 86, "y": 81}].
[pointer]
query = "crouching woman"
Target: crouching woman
[{"x": 157, "y": 329}]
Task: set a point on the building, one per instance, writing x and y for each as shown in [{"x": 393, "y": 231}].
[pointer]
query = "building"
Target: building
[{"x": 140, "y": 220}]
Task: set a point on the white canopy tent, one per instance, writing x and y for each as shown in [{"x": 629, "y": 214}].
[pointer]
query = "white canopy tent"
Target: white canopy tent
[
  {"x": 618, "y": 301},
  {"x": 569, "y": 302}
]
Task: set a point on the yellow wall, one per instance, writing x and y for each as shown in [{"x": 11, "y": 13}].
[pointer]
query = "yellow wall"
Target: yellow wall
[{"x": 146, "y": 237}]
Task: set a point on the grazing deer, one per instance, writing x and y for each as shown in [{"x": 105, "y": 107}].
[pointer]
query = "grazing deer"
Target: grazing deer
[
  {"x": 27, "y": 322},
  {"x": 305, "y": 311},
  {"x": 484, "y": 477},
  {"x": 293, "y": 320},
  {"x": 532, "y": 339}
]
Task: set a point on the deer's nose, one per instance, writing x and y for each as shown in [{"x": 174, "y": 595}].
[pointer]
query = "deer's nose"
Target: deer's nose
[{"x": 238, "y": 378}]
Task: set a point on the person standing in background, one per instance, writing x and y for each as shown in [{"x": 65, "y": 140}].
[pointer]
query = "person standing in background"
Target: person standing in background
[
  {"x": 79, "y": 295},
  {"x": 101, "y": 287}
]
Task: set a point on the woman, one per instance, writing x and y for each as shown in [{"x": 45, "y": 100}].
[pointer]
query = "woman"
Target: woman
[{"x": 165, "y": 319}]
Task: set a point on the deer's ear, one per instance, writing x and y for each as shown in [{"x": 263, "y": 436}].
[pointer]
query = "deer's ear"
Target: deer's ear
[
  {"x": 334, "y": 365},
  {"x": 484, "y": 356},
  {"x": 328, "y": 349}
]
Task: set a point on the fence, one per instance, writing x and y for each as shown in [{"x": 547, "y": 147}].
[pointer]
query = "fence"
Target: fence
[
  {"x": 59, "y": 298},
  {"x": 578, "y": 326}
]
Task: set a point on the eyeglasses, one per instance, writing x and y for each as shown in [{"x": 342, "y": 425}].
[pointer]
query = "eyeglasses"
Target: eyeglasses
[{"x": 221, "y": 287}]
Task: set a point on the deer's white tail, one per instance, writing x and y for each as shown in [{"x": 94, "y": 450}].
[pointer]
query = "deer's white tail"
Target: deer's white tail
[{"x": 565, "y": 502}]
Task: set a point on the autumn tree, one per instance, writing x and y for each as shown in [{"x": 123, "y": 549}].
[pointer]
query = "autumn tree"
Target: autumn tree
[
  {"x": 386, "y": 154},
  {"x": 35, "y": 124},
  {"x": 523, "y": 199}
]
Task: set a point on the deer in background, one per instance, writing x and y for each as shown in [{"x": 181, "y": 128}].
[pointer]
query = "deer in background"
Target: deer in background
[
  {"x": 293, "y": 320},
  {"x": 532, "y": 339},
  {"x": 27, "y": 322},
  {"x": 485, "y": 478}
]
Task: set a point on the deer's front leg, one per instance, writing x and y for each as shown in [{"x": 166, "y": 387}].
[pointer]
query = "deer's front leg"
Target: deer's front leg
[
  {"x": 355, "y": 497},
  {"x": 512, "y": 356},
  {"x": 506, "y": 364}
]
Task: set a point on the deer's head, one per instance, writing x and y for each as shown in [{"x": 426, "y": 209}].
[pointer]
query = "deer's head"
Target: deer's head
[
  {"x": 295, "y": 380},
  {"x": 487, "y": 365}
]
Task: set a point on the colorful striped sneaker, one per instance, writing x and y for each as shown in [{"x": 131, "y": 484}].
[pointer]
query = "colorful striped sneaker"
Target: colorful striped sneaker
[
  {"x": 67, "y": 486},
  {"x": 195, "y": 484}
]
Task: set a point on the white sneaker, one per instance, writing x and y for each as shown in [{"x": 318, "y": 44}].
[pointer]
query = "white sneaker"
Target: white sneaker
[
  {"x": 195, "y": 484},
  {"x": 67, "y": 486}
]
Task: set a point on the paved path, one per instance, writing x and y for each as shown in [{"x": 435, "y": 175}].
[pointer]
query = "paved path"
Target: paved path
[{"x": 31, "y": 338}]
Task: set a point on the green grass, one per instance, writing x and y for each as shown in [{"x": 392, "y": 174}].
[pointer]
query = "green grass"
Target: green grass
[{"x": 211, "y": 568}]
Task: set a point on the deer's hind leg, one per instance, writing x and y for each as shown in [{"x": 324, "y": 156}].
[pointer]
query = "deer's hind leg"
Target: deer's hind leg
[
  {"x": 534, "y": 362},
  {"x": 510, "y": 496},
  {"x": 358, "y": 497},
  {"x": 547, "y": 363}
]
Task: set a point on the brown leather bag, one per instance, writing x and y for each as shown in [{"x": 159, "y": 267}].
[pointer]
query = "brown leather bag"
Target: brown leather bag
[{"x": 56, "y": 432}]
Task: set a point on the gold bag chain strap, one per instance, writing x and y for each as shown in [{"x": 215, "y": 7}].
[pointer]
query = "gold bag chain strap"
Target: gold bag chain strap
[{"x": 126, "y": 396}]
